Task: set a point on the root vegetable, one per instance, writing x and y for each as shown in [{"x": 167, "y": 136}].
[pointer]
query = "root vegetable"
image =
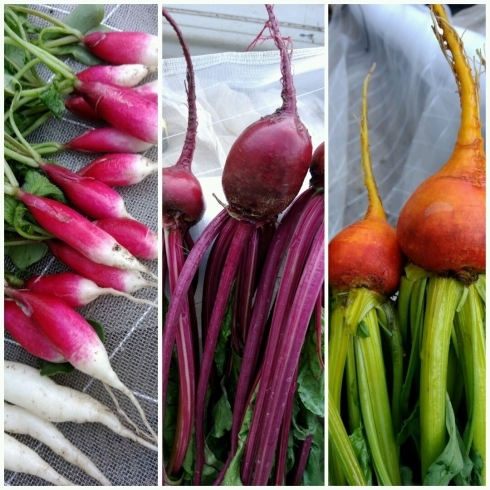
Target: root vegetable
[
  {"x": 119, "y": 169},
  {"x": 133, "y": 235},
  {"x": 127, "y": 281},
  {"x": 123, "y": 108},
  {"x": 75, "y": 338},
  {"x": 18, "y": 420},
  {"x": 74, "y": 290},
  {"x": 442, "y": 231},
  {"x": 22, "y": 459},
  {"x": 27, "y": 333},
  {"x": 56, "y": 403},
  {"x": 123, "y": 47}
]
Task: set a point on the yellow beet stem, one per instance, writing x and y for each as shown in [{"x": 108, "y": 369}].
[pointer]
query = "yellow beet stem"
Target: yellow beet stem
[
  {"x": 342, "y": 446},
  {"x": 375, "y": 206},
  {"x": 443, "y": 295},
  {"x": 449, "y": 40}
]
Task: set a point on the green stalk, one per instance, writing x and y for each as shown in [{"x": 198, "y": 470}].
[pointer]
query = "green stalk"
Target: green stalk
[
  {"x": 443, "y": 295},
  {"x": 49, "y": 60},
  {"x": 337, "y": 352},
  {"x": 470, "y": 332},
  {"x": 342, "y": 446},
  {"x": 375, "y": 405},
  {"x": 7, "y": 171},
  {"x": 353, "y": 405}
]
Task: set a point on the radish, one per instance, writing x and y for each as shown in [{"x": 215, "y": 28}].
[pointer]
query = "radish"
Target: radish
[
  {"x": 74, "y": 290},
  {"x": 18, "y": 420},
  {"x": 55, "y": 403},
  {"x": 22, "y": 459},
  {"x": 263, "y": 173},
  {"x": 94, "y": 198},
  {"x": 105, "y": 140},
  {"x": 123, "y": 109},
  {"x": 442, "y": 231},
  {"x": 79, "y": 107},
  {"x": 120, "y": 169},
  {"x": 182, "y": 206},
  {"x": 89, "y": 195},
  {"x": 27, "y": 333},
  {"x": 148, "y": 90},
  {"x": 365, "y": 266},
  {"x": 75, "y": 230},
  {"x": 75, "y": 338},
  {"x": 133, "y": 235},
  {"x": 123, "y": 47},
  {"x": 128, "y": 75},
  {"x": 126, "y": 281}
]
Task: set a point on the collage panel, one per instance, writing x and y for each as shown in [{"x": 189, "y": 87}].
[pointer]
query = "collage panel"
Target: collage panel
[
  {"x": 81, "y": 149},
  {"x": 407, "y": 245},
  {"x": 243, "y": 221}
]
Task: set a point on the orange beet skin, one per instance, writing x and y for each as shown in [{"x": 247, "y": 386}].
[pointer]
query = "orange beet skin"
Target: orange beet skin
[
  {"x": 442, "y": 226},
  {"x": 366, "y": 254}
]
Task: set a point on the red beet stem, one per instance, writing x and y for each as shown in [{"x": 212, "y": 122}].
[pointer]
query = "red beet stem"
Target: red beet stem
[
  {"x": 187, "y": 154},
  {"x": 288, "y": 93}
]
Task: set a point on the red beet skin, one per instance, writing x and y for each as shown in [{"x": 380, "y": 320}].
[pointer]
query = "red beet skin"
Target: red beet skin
[
  {"x": 317, "y": 167},
  {"x": 266, "y": 165},
  {"x": 183, "y": 200}
]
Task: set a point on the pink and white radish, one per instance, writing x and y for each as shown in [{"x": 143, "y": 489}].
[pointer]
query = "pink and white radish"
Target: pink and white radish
[
  {"x": 148, "y": 90},
  {"x": 123, "y": 47},
  {"x": 120, "y": 169},
  {"x": 68, "y": 225},
  {"x": 74, "y": 290},
  {"x": 105, "y": 140},
  {"x": 94, "y": 198},
  {"x": 24, "y": 386},
  {"x": 22, "y": 459},
  {"x": 27, "y": 333},
  {"x": 123, "y": 109},
  {"x": 126, "y": 281},
  {"x": 79, "y": 107},
  {"x": 127, "y": 75},
  {"x": 133, "y": 235},
  {"x": 75, "y": 338},
  {"x": 18, "y": 420}
]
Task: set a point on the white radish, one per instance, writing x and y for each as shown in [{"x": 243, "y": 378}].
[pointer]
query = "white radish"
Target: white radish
[
  {"x": 22, "y": 459},
  {"x": 24, "y": 386},
  {"x": 18, "y": 420},
  {"x": 77, "y": 341}
]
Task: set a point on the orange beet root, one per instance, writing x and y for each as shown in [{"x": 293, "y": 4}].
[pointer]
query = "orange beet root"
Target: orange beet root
[
  {"x": 442, "y": 226},
  {"x": 366, "y": 254}
]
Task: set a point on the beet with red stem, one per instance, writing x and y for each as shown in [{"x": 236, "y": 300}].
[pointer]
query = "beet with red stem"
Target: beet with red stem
[
  {"x": 263, "y": 173},
  {"x": 182, "y": 207}
]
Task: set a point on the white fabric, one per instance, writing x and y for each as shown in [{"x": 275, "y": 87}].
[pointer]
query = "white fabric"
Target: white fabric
[{"x": 413, "y": 106}]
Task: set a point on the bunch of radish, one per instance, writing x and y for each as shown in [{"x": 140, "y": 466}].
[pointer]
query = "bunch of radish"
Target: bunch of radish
[
  {"x": 77, "y": 214},
  {"x": 242, "y": 311},
  {"x": 406, "y": 337}
]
